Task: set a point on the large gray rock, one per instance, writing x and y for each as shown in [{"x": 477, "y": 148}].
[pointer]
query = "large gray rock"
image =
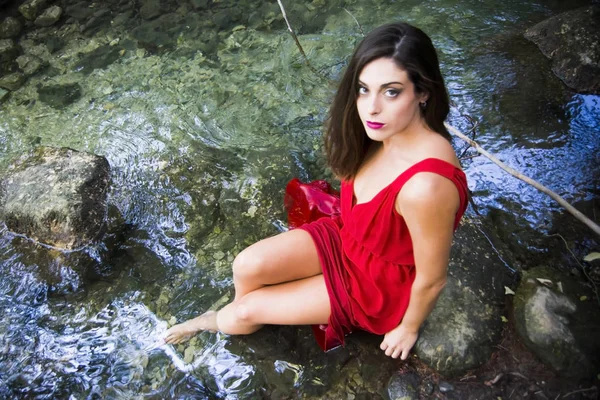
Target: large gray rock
[
  {"x": 49, "y": 17},
  {"x": 462, "y": 330},
  {"x": 30, "y": 9},
  {"x": 403, "y": 386},
  {"x": 571, "y": 40},
  {"x": 57, "y": 196},
  {"x": 558, "y": 321},
  {"x": 10, "y": 27}
]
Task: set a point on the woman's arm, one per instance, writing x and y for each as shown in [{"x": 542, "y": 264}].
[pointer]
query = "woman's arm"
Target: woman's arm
[{"x": 428, "y": 203}]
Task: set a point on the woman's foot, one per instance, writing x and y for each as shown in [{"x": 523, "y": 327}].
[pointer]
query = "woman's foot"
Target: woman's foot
[{"x": 182, "y": 332}]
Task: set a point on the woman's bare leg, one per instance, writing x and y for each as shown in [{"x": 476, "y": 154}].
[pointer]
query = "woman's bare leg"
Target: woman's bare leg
[
  {"x": 287, "y": 257},
  {"x": 301, "y": 302}
]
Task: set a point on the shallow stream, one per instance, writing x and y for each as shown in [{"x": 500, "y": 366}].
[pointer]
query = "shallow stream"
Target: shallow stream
[{"x": 203, "y": 131}]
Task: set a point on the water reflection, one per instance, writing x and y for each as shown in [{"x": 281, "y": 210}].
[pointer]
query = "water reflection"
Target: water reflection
[{"x": 202, "y": 134}]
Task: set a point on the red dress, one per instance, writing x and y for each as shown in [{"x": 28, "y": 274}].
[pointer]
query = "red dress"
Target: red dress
[{"x": 367, "y": 257}]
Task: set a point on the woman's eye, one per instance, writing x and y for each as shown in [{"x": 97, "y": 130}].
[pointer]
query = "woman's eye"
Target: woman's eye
[
  {"x": 392, "y": 92},
  {"x": 362, "y": 90}
]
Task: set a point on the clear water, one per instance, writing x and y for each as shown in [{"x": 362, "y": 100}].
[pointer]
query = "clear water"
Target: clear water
[{"x": 202, "y": 141}]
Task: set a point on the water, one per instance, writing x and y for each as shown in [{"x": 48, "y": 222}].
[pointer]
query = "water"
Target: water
[{"x": 202, "y": 135}]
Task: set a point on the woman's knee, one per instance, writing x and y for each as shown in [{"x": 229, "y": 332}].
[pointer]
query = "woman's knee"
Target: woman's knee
[{"x": 248, "y": 264}]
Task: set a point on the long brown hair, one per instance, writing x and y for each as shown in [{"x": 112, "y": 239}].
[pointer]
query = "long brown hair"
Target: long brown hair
[{"x": 346, "y": 142}]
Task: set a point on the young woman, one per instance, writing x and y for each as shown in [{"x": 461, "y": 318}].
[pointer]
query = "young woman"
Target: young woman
[{"x": 381, "y": 265}]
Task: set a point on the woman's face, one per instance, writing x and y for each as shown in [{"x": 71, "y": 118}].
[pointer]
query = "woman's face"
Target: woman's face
[{"x": 387, "y": 103}]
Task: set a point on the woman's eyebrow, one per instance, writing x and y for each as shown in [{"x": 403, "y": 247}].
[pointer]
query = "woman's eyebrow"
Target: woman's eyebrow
[{"x": 383, "y": 85}]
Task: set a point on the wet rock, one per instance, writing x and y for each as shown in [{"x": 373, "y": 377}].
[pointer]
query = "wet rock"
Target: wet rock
[
  {"x": 199, "y": 4},
  {"x": 59, "y": 95},
  {"x": 80, "y": 11},
  {"x": 29, "y": 64},
  {"x": 3, "y": 95},
  {"x": 49, "y": 17},
  {"x": 100, "y": 58},
  {"x": 465, "y": 324},
  {"x": 571, "y": 40},
  {"x": 57, "y": 196},
  {"x": 159, "y": 33},
  {"x": 30, "y": 9},
  {"x": 445, "y": 387},
  {"x": 150, "y": 9},
  {"x": 12, "y": 81},
  {"x": 403, "y": 386},
  {"x": 557, "y": 323},
  {"x": 8, "y": 53},
  {"x": 101, "y": 17},
  {"x": 10, "y": 28}
]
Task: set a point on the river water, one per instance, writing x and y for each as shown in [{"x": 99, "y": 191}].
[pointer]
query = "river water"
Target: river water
[{"x": 202, "y": 133}]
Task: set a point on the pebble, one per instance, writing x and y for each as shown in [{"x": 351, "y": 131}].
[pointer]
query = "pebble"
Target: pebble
[{"x": 446, "y": 387}]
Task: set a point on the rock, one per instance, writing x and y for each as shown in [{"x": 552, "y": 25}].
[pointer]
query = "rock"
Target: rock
[
  {"x": 199, "y": 4},
  {"x": 556, "y": 324},
  {"x": 12, "y": 81},
  {"x": 403, "y": 386},
  {"x": 465, "y": 324},
  {"x": 49, "y": 17},
  {"x": 100, "y": 58},
  {"x": 150, "y": 9},
  {"x": 10, "y": 27},
  {"x": 80, "y": 11},
  {"x": 59, "y": 95},
  {"x": 101, "y": 17},
  {"x": 29, "y": 64},
  {"x": 159, "y": 33},
  {"x": 57, "y": 196},
  {"x": 8, "y": 53},
  {"x": 30, "y": 9},
  {"x": 3, "y": 95},
  {"x": 571, "y": 40},
  {"x": 445, "y": 387}
]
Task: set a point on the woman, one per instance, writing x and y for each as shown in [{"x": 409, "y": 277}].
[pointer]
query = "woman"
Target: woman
[{"x": 382, "y": 264}]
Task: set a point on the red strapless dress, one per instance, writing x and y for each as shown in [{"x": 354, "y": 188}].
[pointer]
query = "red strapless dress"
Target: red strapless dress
[{"x": 365, "y": 250}]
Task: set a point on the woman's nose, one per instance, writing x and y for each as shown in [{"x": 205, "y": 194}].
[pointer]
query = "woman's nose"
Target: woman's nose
[{"x": 374, "y": 106}]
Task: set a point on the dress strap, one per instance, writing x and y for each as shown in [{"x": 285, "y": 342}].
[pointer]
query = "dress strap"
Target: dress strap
[{"x": 443, "y": 168}]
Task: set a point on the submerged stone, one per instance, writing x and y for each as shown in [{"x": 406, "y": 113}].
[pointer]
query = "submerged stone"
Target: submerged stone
[
  {"x": 49, "y": 17},
  {"x": 29, "y": 64},
  {"x": 8, "y": 53},
  {"x": 58, "y": 96},
  {"x": 556, "y": 324},
  {"x": 99, "y": 58},
  {"x": 3, "y": 95},
  {"x": 57, "y": 196},
  {"x": 571, "y": 40},
  {"x": 10, "y": 28},
  {"x": 30, "y": 9},
  {"x": 12, "y": 81},
  {"x": 150, "y": 9}
]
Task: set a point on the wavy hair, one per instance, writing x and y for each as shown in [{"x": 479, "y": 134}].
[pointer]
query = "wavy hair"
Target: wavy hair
[{"x": 346, "y": 142}]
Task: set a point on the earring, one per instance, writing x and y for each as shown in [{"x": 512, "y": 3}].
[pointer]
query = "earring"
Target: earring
[{"x": 423, "y": 104}]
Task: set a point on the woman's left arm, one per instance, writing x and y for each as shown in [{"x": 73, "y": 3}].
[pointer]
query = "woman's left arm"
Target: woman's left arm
[{"x": 428, "y": 203}]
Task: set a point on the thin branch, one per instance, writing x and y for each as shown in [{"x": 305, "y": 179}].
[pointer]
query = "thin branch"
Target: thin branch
[
  {"x": 581, "y": 391},
  {"x": 296, "y": 38},
  {"x": 589, "y": 278},
  {"x": 576, "y": 213},
  {"x": 355, "y": 20}
]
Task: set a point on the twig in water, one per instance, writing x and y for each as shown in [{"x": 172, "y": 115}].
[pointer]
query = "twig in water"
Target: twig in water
[
  {"x": 581, "y": 391},
  {"x": 589, "y": 278},
  {"x": 576, "y": 213},
  {"x": 296, "y": 38},
  {"x": 355, "y": 20}
]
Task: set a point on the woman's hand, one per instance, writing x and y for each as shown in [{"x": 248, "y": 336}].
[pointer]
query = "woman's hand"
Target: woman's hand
[{"x": 398, "y": 342}]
